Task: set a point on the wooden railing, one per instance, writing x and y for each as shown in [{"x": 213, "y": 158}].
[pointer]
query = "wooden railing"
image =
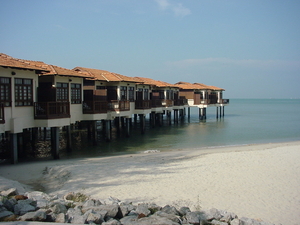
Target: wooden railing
[
  {"x": 156, "y": 103},
  {"x": 142, "y": 104},
  {"x": 94, "y": 107},
  {"x": 167, "y": 102},
  {"x": 51, "y": 110},
  {"x": 2, "y": 118},
  {"x": 116, "y": 105},
  {"x": 180, "y": 102}
]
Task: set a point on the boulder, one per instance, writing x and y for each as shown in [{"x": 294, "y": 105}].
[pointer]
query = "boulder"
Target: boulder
[
  {"x": 58, "y": 208},
  {"x": 217, "y": 222},
  {"x": 60, "y": 218},
  {"x": 170, "y": 210},
  {"x": 155, "y": 220},
  {"x": 24, "y": 206},
  {"x": 143, "y": 209},
  {"x": 94, "y": 217},
  {"x": 184, "y": 210},
  {"x": 172, "y": 217},
  {"x": 193, "y": 217},
  {"x": 5, "y": 213},
  {"x": 10, "y": 192},
  {"x": 213, "y": 214},
  {"x": 111, "y": 222},
  {"x": 34, "y": 216},
  {"x": 9, "y": 204}
]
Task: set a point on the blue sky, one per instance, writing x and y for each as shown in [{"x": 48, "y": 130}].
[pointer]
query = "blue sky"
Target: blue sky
[{"x": 250, "y": 48}]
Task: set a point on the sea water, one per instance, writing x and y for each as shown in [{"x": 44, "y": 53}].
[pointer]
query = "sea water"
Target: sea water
[{"x": 246, "y": 121}]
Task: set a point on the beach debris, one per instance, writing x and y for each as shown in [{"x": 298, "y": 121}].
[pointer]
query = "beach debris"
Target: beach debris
[
  {"x": 151, "y": 151},
  {"x": 42, "y": 207}
]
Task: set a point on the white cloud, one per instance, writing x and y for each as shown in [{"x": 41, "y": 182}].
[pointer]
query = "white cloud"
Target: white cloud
[{"x": 177, "y": 8}]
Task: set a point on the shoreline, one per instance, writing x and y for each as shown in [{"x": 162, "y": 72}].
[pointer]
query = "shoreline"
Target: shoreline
[{"x": 256, "y": 180}]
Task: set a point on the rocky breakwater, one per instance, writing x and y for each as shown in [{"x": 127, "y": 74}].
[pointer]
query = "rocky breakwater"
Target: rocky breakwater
[{"x": 78, "y": 208}]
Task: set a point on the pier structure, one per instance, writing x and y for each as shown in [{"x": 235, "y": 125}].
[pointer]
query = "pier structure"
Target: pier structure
[{"x": 38, "y": 96}]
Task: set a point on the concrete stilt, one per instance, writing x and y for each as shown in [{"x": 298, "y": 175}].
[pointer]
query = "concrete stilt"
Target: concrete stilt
[
  {"x": 108, "y": 130},
  {"x": 127, "y": 127},
  {"x": 34, "y": 138},
  {"x": 68, "y": 138},
  {"x": 14, "y": 148},
  {"x": 217, "y": 114},
  {"x": 204, "y": 113},
  {"x": 55, "y": 142},
  {"x": 94, "y": 132},
  {"x": 142, "y": 123},
  {"x": 223, "y": 110}
]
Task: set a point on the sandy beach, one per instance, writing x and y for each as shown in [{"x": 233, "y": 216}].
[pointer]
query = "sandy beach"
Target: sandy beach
[{"x": 256, "y": 181}]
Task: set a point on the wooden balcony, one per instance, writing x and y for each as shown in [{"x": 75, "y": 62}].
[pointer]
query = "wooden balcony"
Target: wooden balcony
[
  {"x": 2, "y": 119},
  {"x": 167, "y": 102},
  {"x": 51, "y": 110},
  {"x": 94, "y": 107},
  {"x": 180, "y": 102},
  {"x": 116, "y": 105},
  {"x": 156, "y": 103},
  {"x": 142, "y": 104}
]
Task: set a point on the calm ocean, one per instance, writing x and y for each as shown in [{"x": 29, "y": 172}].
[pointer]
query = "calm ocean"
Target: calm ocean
[{"x": 246, "y": 121}]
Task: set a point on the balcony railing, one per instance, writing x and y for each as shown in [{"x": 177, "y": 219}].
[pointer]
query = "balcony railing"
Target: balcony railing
[
  {"x": 2, "y": 119},
  {"x": 94, "y": 107},
  {"x": 51, "y": 110},
  {"x": 180, "y": 102},
  {"x": 116, "y": 105},
  {"x": 167, "y": 102},
  {"x": 142, "y": 104},
  {"x": 156, "y": 103}
]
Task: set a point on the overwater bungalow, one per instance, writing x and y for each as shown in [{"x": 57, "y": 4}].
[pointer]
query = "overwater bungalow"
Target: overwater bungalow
[{"x": 38, "y": 95}]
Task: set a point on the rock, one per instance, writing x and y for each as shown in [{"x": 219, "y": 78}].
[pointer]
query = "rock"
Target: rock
[
  {"x": 155, "y": 220},
  {"x": 128, "y": 220},
  {"x": 228, "y": 216},
  {"x": 112, "y": 211},
  {"x": 217, "y": 222},
  {"x": 58, "y": 208},
  {"x": 170, "y": 210},
  {"x": 42, "y": 199},
  {"x": 10, "y": 192},
  {"x": 9, "y": 204},
  {"x": 236, "y": 222},
  {"x": 143, "y": 209},
  {"x": 60, "y": 218},
  {"x": 112, "y": 222},
  {"x": 95, "y": 217},
  {"x": 24, "y": 206},
  {"x": 213, "y": 214},
  {"x": 193, "y": 217},
  {"x": 34, "y": 216},
  {"x": 248, "y": 221},
  {"x": 172, "y": 217},
  {"x": 20, "y": 197},
  {"x": 5, "y": 213},
  {"x": 184, "y": 210}
]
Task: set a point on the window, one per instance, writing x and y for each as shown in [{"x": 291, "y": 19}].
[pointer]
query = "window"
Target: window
[
  {"x": 131, "y": 93},
  {"x": 62, "y": 92},
  {"x": 75, "y": 93},
  {"x": 23, "y": 92},
  {"x": 5, "y": 91},
  {"x": 146, "y": 94},
  {"x": 123, "y": 93}
]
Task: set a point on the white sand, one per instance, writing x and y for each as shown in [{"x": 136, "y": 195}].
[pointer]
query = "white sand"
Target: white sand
[{"x": 255, "y": 181}]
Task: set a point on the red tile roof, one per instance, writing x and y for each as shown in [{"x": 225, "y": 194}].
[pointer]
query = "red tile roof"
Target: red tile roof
[
  {"x": 103, "y": 75},
  {"x": 8, "y": 61},
  {"x": 154, "y": 82},
  {"x": 195, "y": 86}
]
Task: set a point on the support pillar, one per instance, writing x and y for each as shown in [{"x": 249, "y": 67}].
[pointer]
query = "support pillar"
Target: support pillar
[
  {"x": 55, "y": 142},
  {"x": 217, "y": 114},
  {"x": 142, "y": 123},
  {"x": 34, "y": 138},
  {"x": 223, "y": 110},
  {"x": 108, "y": 130},
  {"x": 127, "y": 127},
  {"x": 94, "y": 132},
  {"x": 189, "y": 112},
  {"x": 204, "y": 113},
  {"x": 14, "y": 148},
  {"x": 68, "y": 138}
]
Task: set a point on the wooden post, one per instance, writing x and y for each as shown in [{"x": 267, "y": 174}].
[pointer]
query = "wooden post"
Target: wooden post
[
  {"x": 108, "y": 130},
  {"x": 14, "y": 148},
  {"x": 55, "y": 142}
]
